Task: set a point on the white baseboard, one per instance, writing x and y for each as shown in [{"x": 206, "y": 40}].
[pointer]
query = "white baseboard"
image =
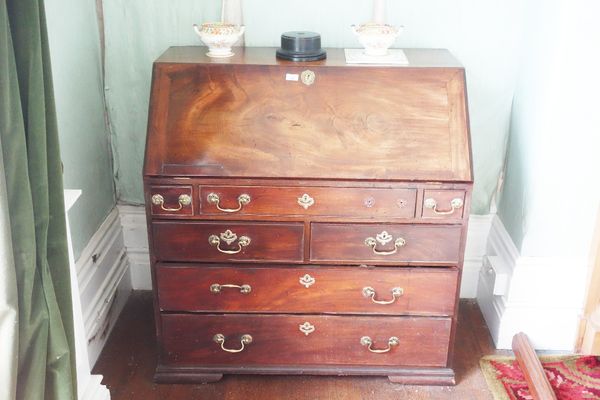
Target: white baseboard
[
  {"x": 470, "y": 278},
  {"x": 543, "y": 298},
  {"x": 94, "y": 390},
  {"x": 104, "y": 283},
  {"x": 89, "y": 387},
  {"x": 140, "y": 270},
  {"x": 477, "y": 237},
  {"x": 135, "y": 235}
]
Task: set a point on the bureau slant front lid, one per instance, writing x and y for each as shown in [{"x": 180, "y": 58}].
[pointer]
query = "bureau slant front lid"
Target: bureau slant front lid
[{"x": 256, "y": 116}]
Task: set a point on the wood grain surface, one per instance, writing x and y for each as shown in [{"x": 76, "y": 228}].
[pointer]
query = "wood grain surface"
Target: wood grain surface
[
  {"x": 128, "y": 364},
  {"x": 249, "y": 121},
  {"x": 188, "y": 241},
  {"x": 425, "y": 244},
  {"x": 367, "y": 145},
  {"x": 418, "y": 58},
  {"x": 341, "y": 201},
  {"x": 330, "y": 289},
  {"x": 344, "y": 202},
  {"x": 277, "y": 340},
  {"x": 532, "y": 369}
]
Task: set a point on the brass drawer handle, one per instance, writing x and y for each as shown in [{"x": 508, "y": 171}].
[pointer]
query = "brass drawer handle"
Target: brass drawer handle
[
  {"x": 228, "y": 237},
  {"x": 219, "y": 338},
  {"x": 455, "y": 204},
  {"x": 184, "y": 201},
  {"x": 243, "y": 199},
  {"x": 367, "y": 341},
  {"x": 244, "y": 289},
  {"x": 370, "y": 292},
  {"x": 384, "y": 238}
]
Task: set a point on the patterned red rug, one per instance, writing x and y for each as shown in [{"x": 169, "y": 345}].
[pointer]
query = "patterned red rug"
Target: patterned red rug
[{"x": 571, "y": 377}]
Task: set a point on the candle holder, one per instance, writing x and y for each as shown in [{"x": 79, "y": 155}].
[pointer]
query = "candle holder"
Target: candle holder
[
  {"x": 219, "y": 37},
  {"x": 376, "y": 38}
]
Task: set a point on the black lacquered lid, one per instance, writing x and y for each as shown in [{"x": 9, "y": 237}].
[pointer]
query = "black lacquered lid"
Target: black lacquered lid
[{"x": 301, "y": 46}]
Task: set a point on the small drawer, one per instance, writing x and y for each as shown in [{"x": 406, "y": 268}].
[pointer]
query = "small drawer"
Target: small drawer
[
  {"x": 386, "y": 243},
  {"x": 443, "y": 204},
  {"x": 321, "y": 201},
  {"x": 171, "y": 200},
  {"x": 346, "y": 290},
  {"x": 236, "y": 241},
  {"x": 251, "y": 340}
]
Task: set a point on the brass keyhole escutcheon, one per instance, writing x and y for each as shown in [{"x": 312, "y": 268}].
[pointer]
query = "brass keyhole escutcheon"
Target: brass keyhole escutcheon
[{"x": 307, "y": 77}]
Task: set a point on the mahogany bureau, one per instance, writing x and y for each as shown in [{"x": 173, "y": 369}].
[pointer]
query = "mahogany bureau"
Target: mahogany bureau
[{"x": 306, "y": 218}]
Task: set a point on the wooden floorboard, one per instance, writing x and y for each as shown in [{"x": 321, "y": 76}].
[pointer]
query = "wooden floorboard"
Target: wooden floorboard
[{"x": 129, "y": 358}]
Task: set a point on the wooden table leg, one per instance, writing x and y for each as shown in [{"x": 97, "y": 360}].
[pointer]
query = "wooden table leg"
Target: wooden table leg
[{"x": 538, "y": 383}]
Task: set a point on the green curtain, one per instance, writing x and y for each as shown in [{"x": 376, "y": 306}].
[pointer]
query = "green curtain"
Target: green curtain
[{"x": 34, "y": 196}]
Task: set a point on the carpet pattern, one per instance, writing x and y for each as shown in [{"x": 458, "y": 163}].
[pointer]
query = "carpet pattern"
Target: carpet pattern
[{"x": 571, "y": 377}]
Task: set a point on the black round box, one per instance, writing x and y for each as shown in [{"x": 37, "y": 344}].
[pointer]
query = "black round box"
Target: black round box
[{"x": 301, "y": 46}]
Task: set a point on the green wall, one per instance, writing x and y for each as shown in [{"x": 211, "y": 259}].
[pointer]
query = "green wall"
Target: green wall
[
  {"x": 76, "y": 68},
  {"x": 552, "y": 191},
  {"x": 483, "y": 34},
  {"x": 507, "y": 48}
]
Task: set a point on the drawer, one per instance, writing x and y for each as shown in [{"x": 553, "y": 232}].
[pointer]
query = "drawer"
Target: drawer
[
  {"x": 447, "y": 204},
  {"x": 322, "y": 201},
  {"x": 171, "y": 200},
  {"x": 304, "y": 340},
  {"x": 236, "y": 241},
  {"x": 386, "y": 243},
  {"x": 346, "y": 290}
]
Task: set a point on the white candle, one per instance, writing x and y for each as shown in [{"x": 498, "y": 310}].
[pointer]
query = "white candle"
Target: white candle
[
  {"x": 231, "y": 12},
  {"x": 379, "y": 11}
]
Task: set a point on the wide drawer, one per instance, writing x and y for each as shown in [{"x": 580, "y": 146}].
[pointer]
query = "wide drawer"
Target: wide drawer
[
  {"x": 386, "y": 243},
  {"x": 322, "y": 201},
  {"x": 237, "y": 241},
  {"x": 346, "y": 290},
  {"x": 237, "y": 339}
]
